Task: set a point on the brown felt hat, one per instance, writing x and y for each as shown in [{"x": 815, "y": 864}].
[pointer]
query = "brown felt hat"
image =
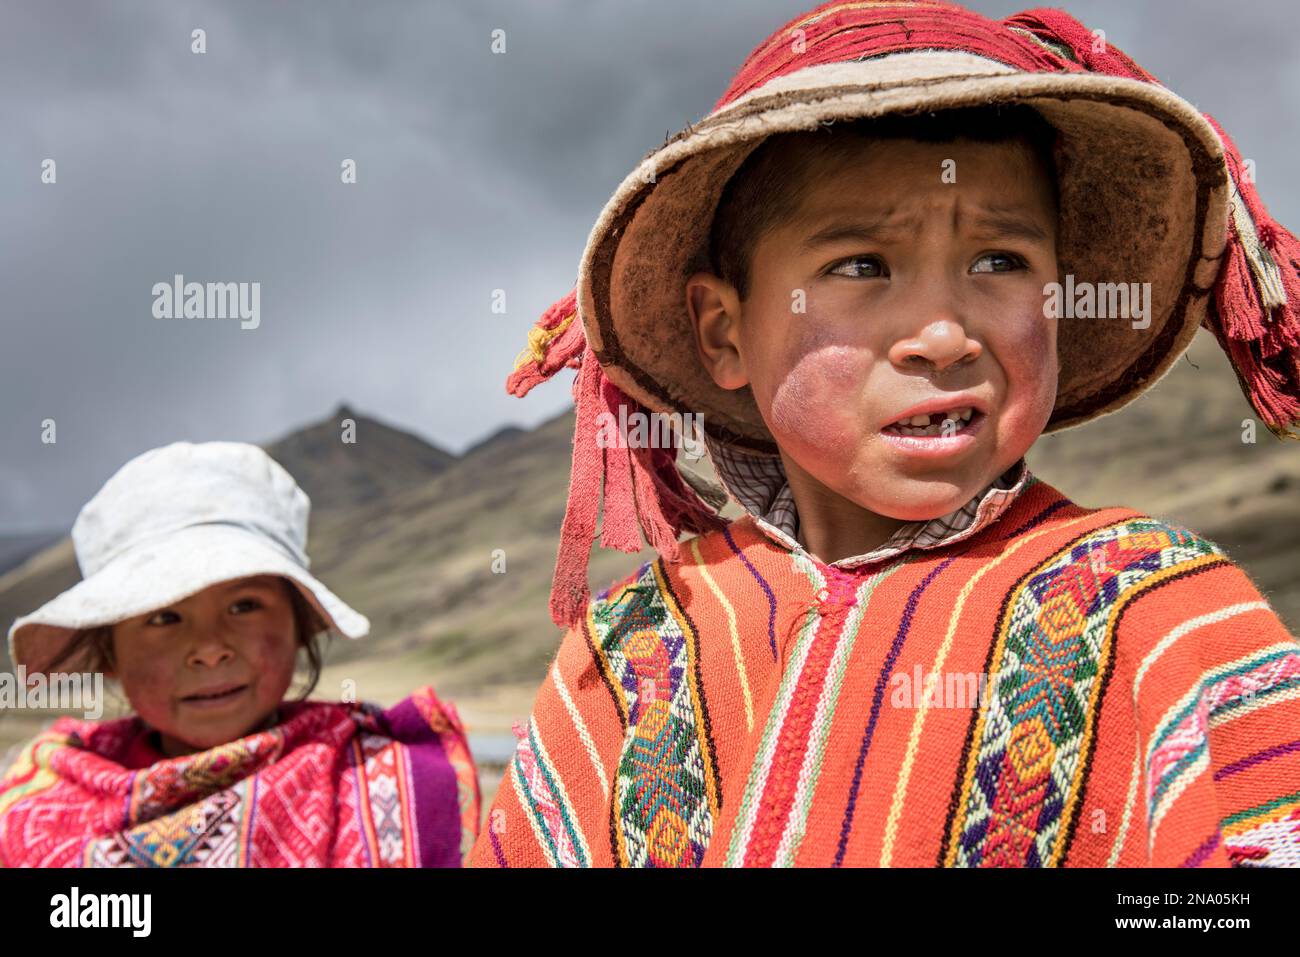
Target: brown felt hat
[{"x": 1144, "y": 198}]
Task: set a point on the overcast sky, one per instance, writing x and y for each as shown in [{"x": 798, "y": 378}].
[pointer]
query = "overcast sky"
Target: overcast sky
[{"x": 475, "y": 172}]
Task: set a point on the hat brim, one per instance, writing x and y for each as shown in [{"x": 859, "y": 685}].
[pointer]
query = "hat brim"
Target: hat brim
[
  {"x": 157, "y": 574},
  {"x": 1144, "y": 198}
]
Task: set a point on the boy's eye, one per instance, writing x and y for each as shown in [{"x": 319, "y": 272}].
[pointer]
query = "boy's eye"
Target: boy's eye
[
  {"x": 861, "y": 267},
  {"x": 998, "y": 262},
  {"x": 162, "y": 618},
  {"x": 247, "y": 603}
]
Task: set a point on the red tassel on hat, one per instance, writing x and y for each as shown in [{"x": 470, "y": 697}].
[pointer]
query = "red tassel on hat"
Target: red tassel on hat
[
  {"x": 642, "y": 491},
  {"x": 554, "y": 342},
  {"x": 1256, "y": 314},
  {"x": 1257, "y": 299}
]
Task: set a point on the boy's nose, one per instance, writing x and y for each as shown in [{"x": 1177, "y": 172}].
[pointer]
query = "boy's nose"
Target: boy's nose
[{"x": 942, "y": 344}]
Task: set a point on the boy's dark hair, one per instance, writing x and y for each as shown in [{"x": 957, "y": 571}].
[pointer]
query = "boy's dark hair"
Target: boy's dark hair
[
  {"x": 769, "y": 187},
  {"x": 98, "y": 642}
]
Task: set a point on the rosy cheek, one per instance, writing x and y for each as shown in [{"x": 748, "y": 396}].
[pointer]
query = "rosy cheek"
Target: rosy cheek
[
  {"x": 1035, "y": 335},
  {"x": 1029, "y": 360},
  {"x": 815, "y": 402},
  {"x": 274, "y": 653},
  {"x": 149, "y": 683}
]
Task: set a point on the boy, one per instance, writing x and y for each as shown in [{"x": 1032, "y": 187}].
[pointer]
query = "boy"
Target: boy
[{"x": 911, "y": 651}]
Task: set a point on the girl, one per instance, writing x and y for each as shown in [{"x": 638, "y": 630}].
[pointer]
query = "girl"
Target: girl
[{"x": 196, "y": 598}]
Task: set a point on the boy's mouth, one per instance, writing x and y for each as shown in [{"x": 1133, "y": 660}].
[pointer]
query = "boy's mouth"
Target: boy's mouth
[{"x": 950, "y": 422}]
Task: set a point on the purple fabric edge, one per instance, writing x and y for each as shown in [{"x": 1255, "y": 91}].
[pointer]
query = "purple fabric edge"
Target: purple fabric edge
[{"x": 433, "y": 786}]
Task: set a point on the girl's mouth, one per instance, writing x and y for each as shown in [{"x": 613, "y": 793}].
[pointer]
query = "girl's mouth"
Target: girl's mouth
[{"x": 215, "y": 697}]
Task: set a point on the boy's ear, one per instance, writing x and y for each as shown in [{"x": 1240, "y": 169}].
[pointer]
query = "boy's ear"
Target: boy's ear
[{"x": 714, "y": 308}]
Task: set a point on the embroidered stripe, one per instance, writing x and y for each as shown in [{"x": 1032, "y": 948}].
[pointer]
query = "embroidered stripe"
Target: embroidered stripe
[
  {"x": 810, "y": 773},
  {"x": 940, "y": 659},
  {"x": 730, "y": 612},
  {"x": 759, "y": 772},
  {"x": 580, "y": 726},
  {"x": 1148, "y": 662}
]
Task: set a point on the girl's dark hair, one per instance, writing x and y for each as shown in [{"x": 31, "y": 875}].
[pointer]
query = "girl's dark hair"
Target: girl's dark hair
[
  {"x": 309, "y": 627},
  {"x": 770, "y": 186},
  {"x": 97, "y": 643}
]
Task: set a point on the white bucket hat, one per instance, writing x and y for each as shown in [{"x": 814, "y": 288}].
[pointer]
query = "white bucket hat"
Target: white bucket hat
[{"x": 168, "y": 524}]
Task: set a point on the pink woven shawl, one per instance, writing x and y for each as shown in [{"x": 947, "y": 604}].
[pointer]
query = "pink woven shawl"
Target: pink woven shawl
[{"x": 331, "y": 785}]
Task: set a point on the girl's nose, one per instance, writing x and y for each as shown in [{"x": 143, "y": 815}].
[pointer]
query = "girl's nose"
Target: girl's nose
[{"x": 210, "y": 653}]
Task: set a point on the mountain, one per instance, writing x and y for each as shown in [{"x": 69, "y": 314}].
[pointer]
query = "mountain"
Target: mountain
[
  {"x": 33, "y": 583},
  {"x": 499, "y": 437},
  {"x": 408, "y": 534},
  {"x": 455, "y": 572},
  {"x": 339, "y": 465}
]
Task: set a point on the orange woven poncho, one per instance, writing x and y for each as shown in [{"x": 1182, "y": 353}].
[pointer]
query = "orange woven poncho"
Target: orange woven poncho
[{"x": 753, "y": 706}]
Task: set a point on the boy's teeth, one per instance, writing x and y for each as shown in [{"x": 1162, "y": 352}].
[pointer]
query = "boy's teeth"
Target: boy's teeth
[{"x": 926, "y": 424}]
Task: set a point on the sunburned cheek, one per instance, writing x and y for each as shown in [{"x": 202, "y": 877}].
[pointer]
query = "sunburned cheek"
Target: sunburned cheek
[
  {"x": 150, "y": 691},
  {"x": 815, "y": 401},
  {"x": 153, "y": 679},
  {"x": 274, "y": 655},
  {"x": 1030, "y": 366},
  {"x": 1033, "y": 339},
  {"x": 262, "y": 651}
]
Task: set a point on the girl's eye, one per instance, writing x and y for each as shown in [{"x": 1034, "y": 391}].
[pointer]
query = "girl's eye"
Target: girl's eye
[
  {"x": 998, "y": 262},
  {"x": 873, "y": 268},
  {"x": 249, "y": 603},
  {"x": 162, "y": 618}
]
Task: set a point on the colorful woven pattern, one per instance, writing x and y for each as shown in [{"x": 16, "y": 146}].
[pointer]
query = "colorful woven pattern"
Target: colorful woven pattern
[
  {"x": 1066, "y": 687},
  {"x": 650, "y": 656},
  {"x": 331, "y": 785},
  {"x": 1022, "y": 784}
]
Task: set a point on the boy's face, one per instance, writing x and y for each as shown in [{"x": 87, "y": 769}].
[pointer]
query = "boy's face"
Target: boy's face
[
  {"x": 895, "y": 289},
  {"x": 238, "y": 634}
]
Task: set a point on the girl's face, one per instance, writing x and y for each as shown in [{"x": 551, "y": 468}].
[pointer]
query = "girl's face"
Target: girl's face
[{"x": 213, "y": 667}]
